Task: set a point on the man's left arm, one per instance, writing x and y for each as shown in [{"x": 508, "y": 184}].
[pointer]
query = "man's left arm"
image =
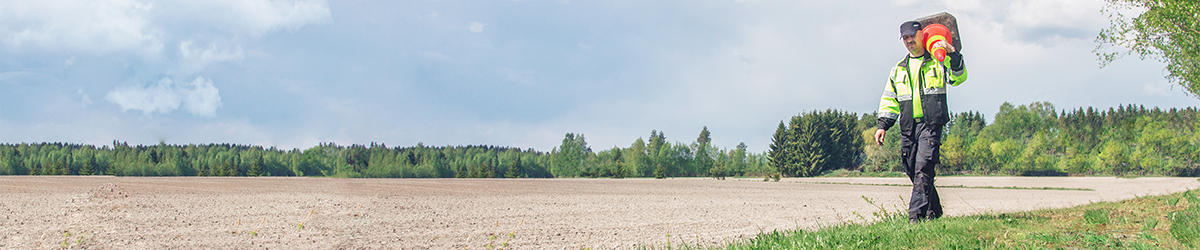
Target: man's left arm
[{"x": 958, "y": 69}]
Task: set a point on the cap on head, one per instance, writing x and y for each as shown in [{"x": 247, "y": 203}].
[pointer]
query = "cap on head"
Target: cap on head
[{"x": 910, "y": 28}]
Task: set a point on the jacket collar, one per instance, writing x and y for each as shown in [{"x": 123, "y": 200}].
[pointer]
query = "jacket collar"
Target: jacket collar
[{"x": 904, "y": 63}]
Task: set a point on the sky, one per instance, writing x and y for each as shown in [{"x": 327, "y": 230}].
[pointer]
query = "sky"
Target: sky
[{"x": 292, "y": 74}]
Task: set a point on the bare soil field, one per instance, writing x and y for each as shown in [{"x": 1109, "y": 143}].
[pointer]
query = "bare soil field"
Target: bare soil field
[{"x": 41, "y": 212}]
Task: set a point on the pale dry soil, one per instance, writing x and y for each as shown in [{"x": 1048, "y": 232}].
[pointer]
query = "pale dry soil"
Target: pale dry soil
[{"x": 41, "y": 212}]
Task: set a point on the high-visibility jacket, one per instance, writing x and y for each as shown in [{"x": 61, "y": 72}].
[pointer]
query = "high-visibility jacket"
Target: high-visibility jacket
[{"x": 928, "y": 78}]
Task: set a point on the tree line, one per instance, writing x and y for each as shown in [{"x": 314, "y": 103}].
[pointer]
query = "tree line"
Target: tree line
[
  {"x": 1032, "y": 139},
  {"x": 657, "y": 158},
  {"x": 574, "y": 158},
  {"x": 325, "y": 159}
]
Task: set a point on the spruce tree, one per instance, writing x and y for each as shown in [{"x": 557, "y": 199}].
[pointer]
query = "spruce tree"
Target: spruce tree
[
  {"x": 514, "y": 169},
  {"x": 778, "y": 153}
]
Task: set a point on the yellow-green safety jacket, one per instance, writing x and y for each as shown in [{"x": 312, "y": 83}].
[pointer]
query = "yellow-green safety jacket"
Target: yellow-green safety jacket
[{"x": 922, "y": 75}]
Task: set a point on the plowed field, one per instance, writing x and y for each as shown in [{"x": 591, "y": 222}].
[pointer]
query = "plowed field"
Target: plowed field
[{"x": 323, "y": 213}]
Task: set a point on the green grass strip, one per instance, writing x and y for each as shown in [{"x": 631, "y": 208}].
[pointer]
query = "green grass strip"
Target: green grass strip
[
  {"x": 952, "y": 186},
  {"x": 1152, "y": 222}
]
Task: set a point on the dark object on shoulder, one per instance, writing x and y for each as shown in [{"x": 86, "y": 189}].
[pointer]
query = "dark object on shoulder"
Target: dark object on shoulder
[{"x": 947, "y": 20}]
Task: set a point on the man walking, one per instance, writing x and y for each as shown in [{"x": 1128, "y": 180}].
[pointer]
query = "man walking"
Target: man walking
[{"x": 915, "y": 99}]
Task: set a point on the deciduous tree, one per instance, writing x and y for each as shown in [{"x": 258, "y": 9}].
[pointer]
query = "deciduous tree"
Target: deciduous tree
[{"x": 1167, "y": 30}]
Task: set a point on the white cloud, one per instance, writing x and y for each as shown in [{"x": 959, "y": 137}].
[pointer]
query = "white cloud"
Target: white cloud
[
  {"x": 140, "y": 29},
  {"x": 198, "y": 97},
  {"x": 523, "y": 77},
  {"x": 201, "y": 98},
  {"x": 435, "y": 55},
  {"x": 1064, "y": 13},
  {"x": 245, "y": 17},
  {"x": 262, "y": 16},
  {"x": 158, "y": 97},
  {"x": 476, "y": 27},
  {"x": 84, "y": 100},
  {"x": 75, "y": 26},
  {"x": 905, "y": 2},
  {"x": 1035, "y": 21},
  {"x": 139, "y": 33},
  {"x": 964, "y": 5},
  {"x": 193, "y": 60},
  {"x": 27, "y": 78}
]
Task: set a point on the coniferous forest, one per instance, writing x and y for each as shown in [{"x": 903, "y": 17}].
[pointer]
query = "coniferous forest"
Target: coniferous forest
[{"x": 1032, "y": 139}]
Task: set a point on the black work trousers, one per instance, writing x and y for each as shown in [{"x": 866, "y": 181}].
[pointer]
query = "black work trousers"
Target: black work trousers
[{"x": 920, "y": 152}]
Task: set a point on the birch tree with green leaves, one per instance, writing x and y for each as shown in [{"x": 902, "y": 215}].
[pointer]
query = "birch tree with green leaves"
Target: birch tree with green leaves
[{"x": 1165, "y": 30}]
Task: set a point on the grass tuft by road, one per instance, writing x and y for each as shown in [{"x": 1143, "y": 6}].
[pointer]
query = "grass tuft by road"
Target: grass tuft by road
[{"x": 1153, "y": 222}]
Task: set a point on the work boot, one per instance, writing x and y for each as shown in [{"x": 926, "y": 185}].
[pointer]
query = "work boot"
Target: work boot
[{"x": 934, "y": 216}]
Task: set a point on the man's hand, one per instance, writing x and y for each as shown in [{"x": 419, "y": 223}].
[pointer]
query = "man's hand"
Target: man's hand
[
  {"x": 942, "y": 44},
  {"x": 879, "y": 133}
]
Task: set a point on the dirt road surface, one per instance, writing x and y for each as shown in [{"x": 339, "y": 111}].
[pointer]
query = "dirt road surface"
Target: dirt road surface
[{"x": 327, "y": 213}]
